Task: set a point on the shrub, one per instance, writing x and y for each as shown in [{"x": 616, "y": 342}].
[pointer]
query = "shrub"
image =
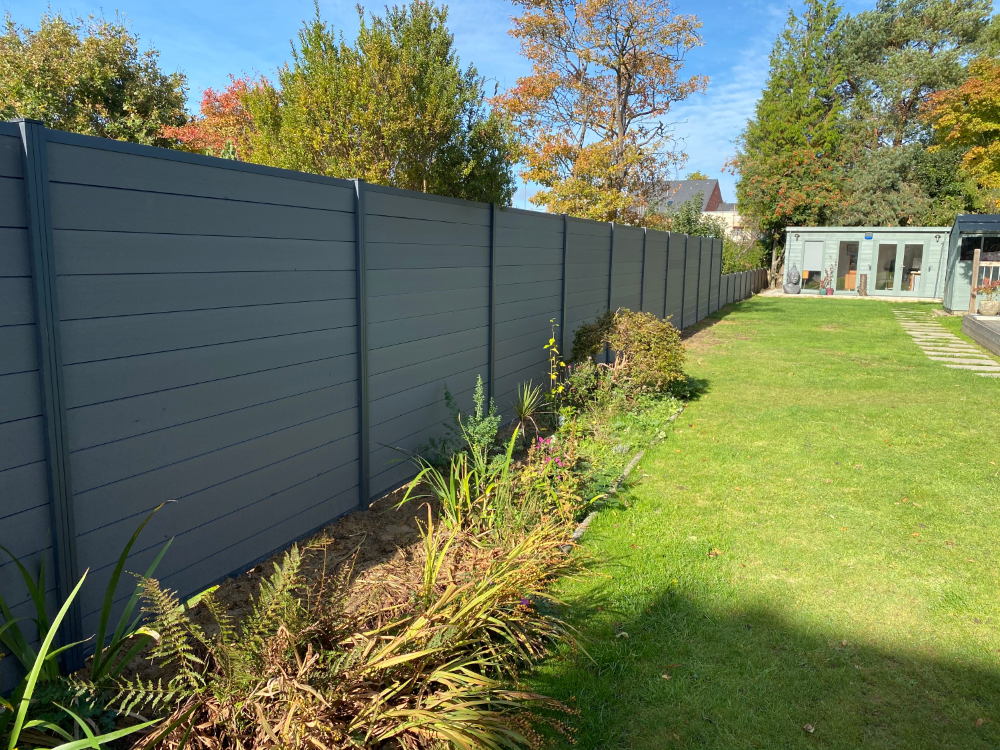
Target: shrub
[
  {"x": 476, "y": 433},
  {"x": 648, "y": 352}
]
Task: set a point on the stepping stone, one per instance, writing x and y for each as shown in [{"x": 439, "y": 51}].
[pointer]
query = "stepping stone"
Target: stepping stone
[
  {"x": 965, "y": 361},
  {"x": 980, "y": 368},
  {"x": 951, "y": 348}
]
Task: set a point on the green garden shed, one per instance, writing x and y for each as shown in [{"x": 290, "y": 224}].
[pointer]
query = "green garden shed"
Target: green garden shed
[
  {"x": 881, "y": 261},
  {"x": 971, "y": 232}
]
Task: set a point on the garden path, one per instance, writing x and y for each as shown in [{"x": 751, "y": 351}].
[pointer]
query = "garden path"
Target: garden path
[{"x": 942, "y": 346}]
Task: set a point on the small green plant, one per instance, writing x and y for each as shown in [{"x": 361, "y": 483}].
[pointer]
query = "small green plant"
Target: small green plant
[
  {"x": 479, "y": 429},
  {"x": 530, "y": 399},
  {"x": 477, "y": 432},
  {"x": 469, "y": 491}
]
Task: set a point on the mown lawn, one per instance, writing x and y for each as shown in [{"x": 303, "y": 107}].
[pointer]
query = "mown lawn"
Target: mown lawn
[{"x": 816, "y": 543}]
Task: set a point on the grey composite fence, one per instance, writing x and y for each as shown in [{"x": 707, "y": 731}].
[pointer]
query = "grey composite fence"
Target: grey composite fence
[{"x": 255, "y": 344}]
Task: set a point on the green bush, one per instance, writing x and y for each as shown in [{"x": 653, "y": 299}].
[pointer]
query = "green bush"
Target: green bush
[{"x": 648, "y": 352}]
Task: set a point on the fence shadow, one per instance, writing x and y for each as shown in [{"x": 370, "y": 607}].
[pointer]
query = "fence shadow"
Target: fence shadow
[{"x": 745, "y": 677}]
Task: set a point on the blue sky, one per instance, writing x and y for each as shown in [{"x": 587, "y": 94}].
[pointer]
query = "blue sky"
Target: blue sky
[{"x": 210, "y": 39}]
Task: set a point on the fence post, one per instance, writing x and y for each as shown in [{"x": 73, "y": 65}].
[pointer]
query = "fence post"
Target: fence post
[
  {"x": 493, "y": 282},
  {"x": 361, "y": 270},
  {"x": 43, "y": 278},
  {"x": 562, "y": 317}
]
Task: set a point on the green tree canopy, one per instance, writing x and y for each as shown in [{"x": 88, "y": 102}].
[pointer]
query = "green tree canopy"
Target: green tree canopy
[
  {"x": 88, "y": 76},
  {"x": 838, "y": 136},
  {"x": 395, "y": 108},
  {"x": 895, "y": 55}
]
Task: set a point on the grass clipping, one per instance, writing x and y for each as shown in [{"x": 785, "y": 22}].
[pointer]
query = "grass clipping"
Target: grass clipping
[{"x": 418, "y": 656}]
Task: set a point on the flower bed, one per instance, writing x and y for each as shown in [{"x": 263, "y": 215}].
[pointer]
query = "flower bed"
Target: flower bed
[{"x": 403, "y": 626}]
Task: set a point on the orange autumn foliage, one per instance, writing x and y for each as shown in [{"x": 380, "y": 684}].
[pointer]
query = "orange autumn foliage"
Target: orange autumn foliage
[
  {"x": 969, "y": 116},
  {"x": 604, "y": 74},
  {"x": 224, "y": 126}
]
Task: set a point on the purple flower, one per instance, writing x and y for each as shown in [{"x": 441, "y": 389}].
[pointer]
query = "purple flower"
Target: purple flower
[{"x": 525, "y": 603}]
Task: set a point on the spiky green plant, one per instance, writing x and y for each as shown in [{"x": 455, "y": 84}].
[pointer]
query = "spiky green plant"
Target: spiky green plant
[
  {"x": 108, "y": 659},
  {"x": 530, "y": 399},
  {"x": 470, "y": 490},
  {"x": 14, "y": 722}
]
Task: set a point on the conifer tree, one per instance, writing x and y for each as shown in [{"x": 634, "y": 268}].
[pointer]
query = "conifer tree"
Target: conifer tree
[{"x": 787, "y": 155}]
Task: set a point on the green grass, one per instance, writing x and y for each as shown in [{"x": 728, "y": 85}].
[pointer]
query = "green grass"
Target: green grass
[{"x": 849, "y": 486}]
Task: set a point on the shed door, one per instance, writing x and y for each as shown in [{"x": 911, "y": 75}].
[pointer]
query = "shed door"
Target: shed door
[{"x": 812, "y": 264}]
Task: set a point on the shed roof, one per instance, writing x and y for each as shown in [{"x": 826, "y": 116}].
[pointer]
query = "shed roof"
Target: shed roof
[
  {"x": 968, "y": 223},
  {"x": 858, "y": 230}
]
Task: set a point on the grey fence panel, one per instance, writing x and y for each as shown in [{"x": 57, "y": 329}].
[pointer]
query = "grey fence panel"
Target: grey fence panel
[
  {"x": 211, "y": 352},
  {"x": 705, "y": 277},
  {"x": 165, "y": 354},
  {"x": 588, "y": 258},
  {"x": 716, "y": 280},
  {"x": 692, "y": 257},
  {"x": 528, "y": 298},
  {"x": 674, "y": 304},
  {"x": 407, "y": 378},
  {"x": 24, "y": 497},
  {"x": 730, "y": 287},
  {"x": 655, "y": 274},
  {"x": 745, "y": 278},
  {"x": 626, "y": 276}
]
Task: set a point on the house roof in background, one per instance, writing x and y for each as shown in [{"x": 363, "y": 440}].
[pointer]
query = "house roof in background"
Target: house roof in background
[
  {"x": 726, "y": 207},
  {"x": 677, "y": 192}
]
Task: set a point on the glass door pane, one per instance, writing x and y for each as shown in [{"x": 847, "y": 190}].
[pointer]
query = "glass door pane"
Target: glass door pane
[
  {"x": 885, "y": 269},
  {"x": 913, "y": 256},
  {"x": 847, "y": 267},
  {"x": 812, "y": 264}
]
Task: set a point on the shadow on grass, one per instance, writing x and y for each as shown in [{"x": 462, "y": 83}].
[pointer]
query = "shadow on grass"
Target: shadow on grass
[{"x": 745, "y": 677}]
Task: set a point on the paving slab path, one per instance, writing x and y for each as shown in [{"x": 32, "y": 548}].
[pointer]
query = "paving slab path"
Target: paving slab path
[{"x": 943, "y": 346}]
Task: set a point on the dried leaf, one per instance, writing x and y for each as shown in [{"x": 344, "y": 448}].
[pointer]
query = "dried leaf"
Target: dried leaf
[{"x": 809, "y": 728}]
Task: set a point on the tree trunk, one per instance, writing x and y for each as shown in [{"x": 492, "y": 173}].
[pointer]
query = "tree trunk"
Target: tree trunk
[{"x": 774, "y": 262}]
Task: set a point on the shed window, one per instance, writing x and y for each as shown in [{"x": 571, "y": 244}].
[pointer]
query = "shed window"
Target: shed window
[
  {"x": 969, "y": 246},
  {"x": 989, "y": 246}
]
